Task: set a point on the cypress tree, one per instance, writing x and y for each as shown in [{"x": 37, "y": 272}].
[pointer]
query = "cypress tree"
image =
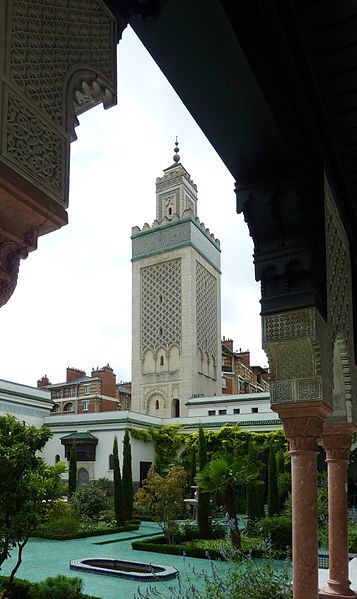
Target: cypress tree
[
  {"x": 255, "y": 493},
  {"x": 72, "y": 470},
  {"x": 193, "y": 469},
  {"x": 252, "y": 491},
  {"x": 118, "y": 487},
  {"x": 273, "y": 495},
  {"x": 280, "y": 464},
  {"x": 203, "y": 506},
  {"x": 127, "y": 477}
]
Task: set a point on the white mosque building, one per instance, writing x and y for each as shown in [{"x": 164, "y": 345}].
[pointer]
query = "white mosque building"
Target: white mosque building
[{"x": 176, "y": 346}]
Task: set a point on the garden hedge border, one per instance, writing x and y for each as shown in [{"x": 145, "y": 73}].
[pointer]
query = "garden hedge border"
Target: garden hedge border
[
  {"x": 82, "y": 535},
  {"x": 159, "y": 546}
]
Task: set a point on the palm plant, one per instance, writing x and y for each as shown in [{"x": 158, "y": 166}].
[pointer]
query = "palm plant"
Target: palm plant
[{"x": 221, "y": 476}]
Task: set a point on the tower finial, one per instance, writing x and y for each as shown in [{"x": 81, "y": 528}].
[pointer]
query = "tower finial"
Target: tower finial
[{"x": 176, "y": 150}]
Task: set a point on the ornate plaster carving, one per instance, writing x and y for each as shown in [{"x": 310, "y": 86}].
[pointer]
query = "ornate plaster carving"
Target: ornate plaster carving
[
  {"x": 299, "y": 354},
  {"x": 206, "y": 311},
  {"x": 60, "y": 59},
  {"x": 161, "y": 306},
  {"x": 154, "y": 394},
  {"x": 303, "y": 432},
  {"x": 10, "y": 256},
  {"x": 339, "y": 304}
]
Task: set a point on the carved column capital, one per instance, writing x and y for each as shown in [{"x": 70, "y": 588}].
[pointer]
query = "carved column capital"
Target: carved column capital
[
  {"x": 303, "y": 424},
  {"x": 337, "y": 441},
  {"x": 303, "y": 432}
]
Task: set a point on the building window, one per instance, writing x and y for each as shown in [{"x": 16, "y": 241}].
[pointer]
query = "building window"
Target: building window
[
  {"x": 222, "y": 412},
  {"x": 224, "y": 382},
  {"x": 68, "y": 407},
  {"x": 161, "y": 360},
  {"x": 236, "y": 410},
  {"x": 86, "y": 389},
  {"x": 111, "y": 461},
  {"x": 211, "y": 412},
  {"x": 57, "y": 458},
  {"x": 255, "y": 410},
  {"x": 157, "y": 405},
  {"x": 85, "y": 405}
]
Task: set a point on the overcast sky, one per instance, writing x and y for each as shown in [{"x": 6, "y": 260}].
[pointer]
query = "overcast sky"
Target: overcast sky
[{"x": 72, "y": 304}]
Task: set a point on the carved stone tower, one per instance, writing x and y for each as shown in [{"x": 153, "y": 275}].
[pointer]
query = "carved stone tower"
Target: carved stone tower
[{"x": 176, "y": 302}]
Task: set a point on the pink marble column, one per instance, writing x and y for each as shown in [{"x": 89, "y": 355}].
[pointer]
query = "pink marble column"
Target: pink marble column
[
  {"x": 337, "y": 441},
  {"x": 303, "y": 425}
]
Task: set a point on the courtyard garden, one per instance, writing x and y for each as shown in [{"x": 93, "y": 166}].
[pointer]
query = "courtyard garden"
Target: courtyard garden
[{"x": 232, "y": 539}]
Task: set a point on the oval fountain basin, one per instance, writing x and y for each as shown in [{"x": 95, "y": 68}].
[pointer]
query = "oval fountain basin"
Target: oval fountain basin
[{"x": 124, "y": 568}]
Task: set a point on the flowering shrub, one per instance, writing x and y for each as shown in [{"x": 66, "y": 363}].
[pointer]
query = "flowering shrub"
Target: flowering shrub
[{"x": 245, "y": 580}]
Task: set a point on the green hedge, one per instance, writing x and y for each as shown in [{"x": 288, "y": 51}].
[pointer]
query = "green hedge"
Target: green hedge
[
  {"x": 203, "y": 549},
  {"x": 80, "y": 535},
  {"x": 24, "y": 589},
  {"x": 158, "y": 545}
]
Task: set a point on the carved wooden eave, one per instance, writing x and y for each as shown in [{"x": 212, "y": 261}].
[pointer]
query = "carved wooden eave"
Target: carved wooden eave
[{"x": 57, "y": 59}]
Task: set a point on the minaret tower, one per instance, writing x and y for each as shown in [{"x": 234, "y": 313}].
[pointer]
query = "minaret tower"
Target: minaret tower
[{"x": 176, "y": 353}]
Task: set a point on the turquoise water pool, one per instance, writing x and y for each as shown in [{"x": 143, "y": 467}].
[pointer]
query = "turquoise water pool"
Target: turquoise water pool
[{"x": 43, "y": 558}]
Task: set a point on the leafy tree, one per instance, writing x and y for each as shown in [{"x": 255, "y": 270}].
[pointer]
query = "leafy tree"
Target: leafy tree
[
  {"x": 222, "y": 476},
  {"x": 163, "y": 497},
  {"x": 72, "y": 470},
  {"x": 27, "y": 485},
  {"x": 273, "y": 495},
  {"x": 203, "y": 505},
  {"x": 89, "y": 501},
  {"x": 118, "y": 486},
  {"x": 127, "y": 477}
]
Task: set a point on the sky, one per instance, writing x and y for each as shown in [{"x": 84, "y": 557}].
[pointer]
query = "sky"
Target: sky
[{"x": 72, "y": 304}]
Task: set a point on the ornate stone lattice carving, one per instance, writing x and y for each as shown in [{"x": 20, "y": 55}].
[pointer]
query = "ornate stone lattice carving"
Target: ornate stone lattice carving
[
  {"x": 339, "y": 303},
  {"x": 59, "y": 60},
  {"x": 299, "y": 355},
  {"x": 161, "y": 305},
  {"x": 288, "y": 325},
  {"x": 282, "y": 392},
  {"x": 294, "y": 359},
  {"x": 48, "y": 38},
  {"x": 34, "y": 145},
  {"x": 206, "y": 311},
  {"x": 309, "y": 389}
]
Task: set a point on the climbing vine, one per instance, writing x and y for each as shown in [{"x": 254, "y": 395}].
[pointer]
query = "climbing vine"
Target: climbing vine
[{"x": 169, "y": 439}]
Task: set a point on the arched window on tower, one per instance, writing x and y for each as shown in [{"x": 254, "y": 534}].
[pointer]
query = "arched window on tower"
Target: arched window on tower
[
  {"x": 111, "y": 461},
  {"x": 161, "y": 360},
  {"x": 157, "y": 405}
]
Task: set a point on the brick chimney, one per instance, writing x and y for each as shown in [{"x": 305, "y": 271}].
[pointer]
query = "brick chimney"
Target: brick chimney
[
  {"x": 108, "y": 378},
  {"x": 244, "y": 356},
  {"x": 73, "y": 374},
  {"x": 228, "y": 343},
  {"x": 43, "y": 382}
]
